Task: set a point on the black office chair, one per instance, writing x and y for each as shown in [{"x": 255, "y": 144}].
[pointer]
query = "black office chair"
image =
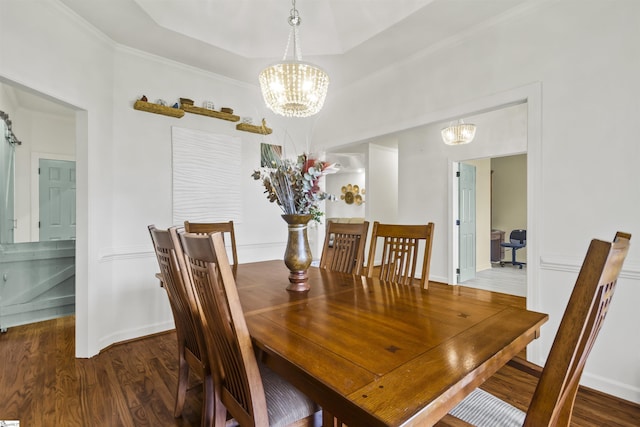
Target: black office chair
[{"x": 517, "y": 240}]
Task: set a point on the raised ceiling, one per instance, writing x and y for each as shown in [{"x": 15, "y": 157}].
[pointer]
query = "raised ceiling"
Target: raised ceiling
[{"x": 237, "y": 38}]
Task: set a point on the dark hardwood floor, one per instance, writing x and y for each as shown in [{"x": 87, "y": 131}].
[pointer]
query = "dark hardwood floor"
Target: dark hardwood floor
[{"x": 132, "y": 384}]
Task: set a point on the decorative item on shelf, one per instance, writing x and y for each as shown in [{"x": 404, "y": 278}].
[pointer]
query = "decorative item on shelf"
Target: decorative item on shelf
[
  {"x": 175, "y": 105},
  {"x": 186, "y": 101},
  {"x": 209, "y": 105},
  {"x": 158, "y": 108},
  {"x": 161, "y": 102},
  {"x": 246, "y": 127},
  {"x": 227, "y": 114},
  {"x": 458, "y": 134},
  {"x": 295, "y": 186},
  {"x": 294, "y": 88},
  {"x": 352, "y": 194},
  {"x": 247, "y": 120}
]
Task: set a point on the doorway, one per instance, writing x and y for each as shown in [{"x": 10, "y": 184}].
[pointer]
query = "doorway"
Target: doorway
[
  {"x": 39, "y": 272},
  {"x": 501, "y": 206}
]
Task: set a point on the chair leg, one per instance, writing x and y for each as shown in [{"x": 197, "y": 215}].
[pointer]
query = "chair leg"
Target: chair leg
[
  {"x": 328, "y": 420},
  {"x": 208, "y": 405},
  {"x": 183, "y": 382},
  {"x": 513, "y": 259},
  {"x": 219, "y": 410}
]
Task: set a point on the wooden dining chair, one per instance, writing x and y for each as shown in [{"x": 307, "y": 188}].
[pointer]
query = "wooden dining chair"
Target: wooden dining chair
[
  {"x": 253, "y": 394},
  {"x": 400, "y": 249},
  {"x": 191, "y": 341},
  {"x": 343, "y": 248},
  {"x": 213, "y": 227},
  {"x": 553, "y": 399}
]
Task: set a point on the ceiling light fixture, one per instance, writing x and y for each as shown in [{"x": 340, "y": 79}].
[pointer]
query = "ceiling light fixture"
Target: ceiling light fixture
[
  {"x": 458, "y": 134},
  {"x": 294, "y": 88}
]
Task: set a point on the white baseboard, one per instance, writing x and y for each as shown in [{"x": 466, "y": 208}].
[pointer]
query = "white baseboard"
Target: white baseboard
[
  {"x": 129, "y": 334},
  {"x": 608, "y": 386}
]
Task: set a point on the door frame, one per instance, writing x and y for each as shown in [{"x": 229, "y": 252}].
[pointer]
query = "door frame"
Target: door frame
[
  {"x": 530, "y": 94},
  {"x": 34, "y": 233}
]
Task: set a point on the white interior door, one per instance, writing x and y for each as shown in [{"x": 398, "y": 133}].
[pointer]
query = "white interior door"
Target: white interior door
[
  {"x": 57, "y": 199},
  {"x": 467, "y": 220}
]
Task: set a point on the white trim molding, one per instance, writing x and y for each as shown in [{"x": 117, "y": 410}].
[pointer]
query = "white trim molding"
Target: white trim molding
[{"x": 573, "y": 264}]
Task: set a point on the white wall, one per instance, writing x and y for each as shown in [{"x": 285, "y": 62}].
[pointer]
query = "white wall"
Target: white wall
[
  {"x": 382, "y": 183},
  {"x": 585, "y": 58}
]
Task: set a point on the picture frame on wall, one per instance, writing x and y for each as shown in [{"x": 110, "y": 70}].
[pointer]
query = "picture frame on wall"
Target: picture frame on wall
[{"x": 270, "y": 155}]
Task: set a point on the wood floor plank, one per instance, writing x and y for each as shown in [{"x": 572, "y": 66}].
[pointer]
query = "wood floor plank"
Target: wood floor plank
[{"x": 67, "y": 385}]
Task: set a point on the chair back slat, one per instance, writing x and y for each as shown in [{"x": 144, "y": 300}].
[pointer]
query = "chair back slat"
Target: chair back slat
[
  {"x": 237, "y": 374},
  {"x": 181, "y": 297},
  {"x": 344, "y": 246},
  {"x": 215, "y": 227},
  {"x": 400, "y": 252},
  {"x": 552, "y": 402}
]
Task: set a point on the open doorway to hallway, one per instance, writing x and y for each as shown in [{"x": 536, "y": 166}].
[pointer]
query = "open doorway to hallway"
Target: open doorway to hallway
[
  {"x": 501, "y": 206},
  {"x": 39, "y": 259}
]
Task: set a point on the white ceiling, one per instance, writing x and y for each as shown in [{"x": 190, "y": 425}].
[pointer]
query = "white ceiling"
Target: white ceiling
[{"x": 237, "y": 38}]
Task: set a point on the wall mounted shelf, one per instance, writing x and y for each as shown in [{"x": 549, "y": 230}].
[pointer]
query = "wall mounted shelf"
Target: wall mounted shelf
[
  {"x": 158, "y": 109},
  {"x": 210, "y": 113},
  {"x": 262, "y": 130}
]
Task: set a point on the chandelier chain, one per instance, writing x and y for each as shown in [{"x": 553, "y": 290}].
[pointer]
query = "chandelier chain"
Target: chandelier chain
[
  {"x": 294, "y": 22},
  {"x": 294, "y": 17}
]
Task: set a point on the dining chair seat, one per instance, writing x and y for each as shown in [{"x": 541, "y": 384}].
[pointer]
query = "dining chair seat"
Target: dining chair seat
[
  {"x": 483, "y": 409},
  {"x": 285, "y": 404}
]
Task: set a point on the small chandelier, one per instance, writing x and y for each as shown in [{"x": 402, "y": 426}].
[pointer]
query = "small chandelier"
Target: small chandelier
[
  {"x": 294, "y": 88},
  {"x": 458, "y": 134}
]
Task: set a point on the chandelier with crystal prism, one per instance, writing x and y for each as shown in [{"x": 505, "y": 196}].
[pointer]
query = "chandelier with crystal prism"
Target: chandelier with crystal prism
[
  {"x": 293, "y": 88},
  {"x": 458, "y": 134}
]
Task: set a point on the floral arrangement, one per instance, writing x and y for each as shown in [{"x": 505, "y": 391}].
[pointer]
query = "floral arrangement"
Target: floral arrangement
[{"x": 294, "y": 184}]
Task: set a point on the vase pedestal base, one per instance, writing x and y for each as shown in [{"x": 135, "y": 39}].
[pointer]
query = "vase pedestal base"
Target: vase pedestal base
[{"x": 298, "y": 281}]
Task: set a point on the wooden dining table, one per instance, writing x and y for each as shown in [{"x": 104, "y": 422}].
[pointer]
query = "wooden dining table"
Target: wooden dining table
[{"x": 374, "y": 353}]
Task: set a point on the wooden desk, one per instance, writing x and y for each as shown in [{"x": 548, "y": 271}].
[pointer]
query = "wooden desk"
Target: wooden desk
[{"x": 376, "y": 354}]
